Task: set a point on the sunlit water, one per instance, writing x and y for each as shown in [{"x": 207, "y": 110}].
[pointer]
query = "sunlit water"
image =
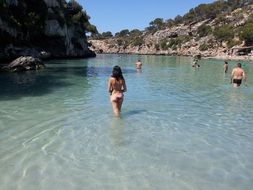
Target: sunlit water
[{"x": 181, "y": 128}]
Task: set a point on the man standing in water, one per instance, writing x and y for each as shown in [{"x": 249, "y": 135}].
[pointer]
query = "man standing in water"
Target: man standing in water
[
  {"x": 138, "y": 64},
  {"x": 237, "y": 75}
]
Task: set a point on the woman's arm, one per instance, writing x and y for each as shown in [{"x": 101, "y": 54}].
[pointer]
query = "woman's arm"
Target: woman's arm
[
  {"x": 109, "y": 86},
  {"x": 124, "y": 86},
  {"x": 232, "y": 75},
  {"x": 244, "y": 75}
]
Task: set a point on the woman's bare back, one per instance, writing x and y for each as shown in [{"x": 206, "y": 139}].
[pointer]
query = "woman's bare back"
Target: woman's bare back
[{"x": 116, "y": 85}]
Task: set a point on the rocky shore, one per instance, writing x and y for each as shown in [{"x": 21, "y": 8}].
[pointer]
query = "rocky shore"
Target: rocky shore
[
  {"x": 105, "y": 47},
  {"x": 207, "y": 37},
  {"x": 232, "y": 58}
]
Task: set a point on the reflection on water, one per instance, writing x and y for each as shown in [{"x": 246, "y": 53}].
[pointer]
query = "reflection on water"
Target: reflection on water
[
  {"x": 116, "y": 132},
  {"x": 181, "y": 128},
  {"x": 139, "y": 70},
  {"x": 133, "y": 112}
]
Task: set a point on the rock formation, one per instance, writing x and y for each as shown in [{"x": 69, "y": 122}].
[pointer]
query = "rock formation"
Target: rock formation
[
  {"x": 24, "y": 64},
  {"x": 181, "y": 39},
  {"x": 44, "y": 29}
]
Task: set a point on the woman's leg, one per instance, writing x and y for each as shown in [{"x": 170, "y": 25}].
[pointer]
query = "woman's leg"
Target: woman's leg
[
  {"x": 115, "y": 108},
  {"x": 120, "y": 101}
]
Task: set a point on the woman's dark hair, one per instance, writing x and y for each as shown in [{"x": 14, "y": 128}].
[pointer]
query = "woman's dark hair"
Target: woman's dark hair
[{"x": 117, "y": 73}]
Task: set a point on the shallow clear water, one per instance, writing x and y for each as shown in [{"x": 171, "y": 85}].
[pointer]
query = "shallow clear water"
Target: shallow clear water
[{"x": 181, "y": 128}]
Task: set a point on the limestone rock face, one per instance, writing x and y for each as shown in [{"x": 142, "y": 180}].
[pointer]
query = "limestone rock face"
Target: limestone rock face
[
  {"x": 11, "y": 2},
  {"x": 7, "y": 29},
  {"x": 52, "y": 3},
  {"x": 24, "y": 64},
  {"x": 53, "y": 28},
  {"x": 57, "y": 37}
]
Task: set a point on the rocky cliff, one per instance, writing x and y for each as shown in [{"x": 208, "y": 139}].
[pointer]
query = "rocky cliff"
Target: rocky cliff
[
  {"x": 210, "y": 37},
  {"x": 43, "y": 28}
]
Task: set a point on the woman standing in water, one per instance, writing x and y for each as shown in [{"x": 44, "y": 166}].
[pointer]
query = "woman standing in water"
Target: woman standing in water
[{"x": 116, "y": 87}]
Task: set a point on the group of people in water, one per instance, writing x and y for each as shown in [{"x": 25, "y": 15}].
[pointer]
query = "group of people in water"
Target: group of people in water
[{"x": 117, "y": 84}]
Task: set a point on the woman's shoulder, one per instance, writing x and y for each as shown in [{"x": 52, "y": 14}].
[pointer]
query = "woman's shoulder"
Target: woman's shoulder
[{"x": 111, "y": 79}]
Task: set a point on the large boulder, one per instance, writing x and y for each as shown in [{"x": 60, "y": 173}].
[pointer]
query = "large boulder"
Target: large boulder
[{"x": 24, "y": 63}]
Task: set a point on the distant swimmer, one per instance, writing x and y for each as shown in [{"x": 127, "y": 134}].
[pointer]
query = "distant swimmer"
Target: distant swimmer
[
  {"x": 225, "y": 67},
  {"x": 116, "y": 87},
  {"x": 196, "y": 59},
  {"x": 237, "y": 75},
  {"x": 195, "y": 64},
  {"x": 138, "y": 64}
]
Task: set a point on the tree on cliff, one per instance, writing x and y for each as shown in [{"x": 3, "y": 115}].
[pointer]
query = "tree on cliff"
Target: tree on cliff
[
  {"x": 247, "y": 34},
  {"x": 212, "y": 10},
  {"x": 122, "y": 33},
  {"x": 204, "y": 30},
  {"x": 224, "y": 33},
  {"x": 158, "y": 23},
  {"x": 28, "y": 16},
  {"x": 107, "y": 34},
  {"x": 155, "y": 25},
  {"x": 77, "y": 15}
]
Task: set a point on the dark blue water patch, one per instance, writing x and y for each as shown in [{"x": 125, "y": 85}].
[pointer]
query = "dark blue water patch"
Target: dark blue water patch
[
  {"x": 134, "y": 112},
  {"x": 105, "y": 71},
  {"x": 85, "y": 71},
  {"x": 31, "y": 83},
  {"x": 38, "y": 83}
]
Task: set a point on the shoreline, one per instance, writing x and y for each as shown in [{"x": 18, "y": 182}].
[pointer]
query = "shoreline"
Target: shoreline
[
  {"x": 4, "y": 62},
  {"x": 218, "y": 57},
  {"x": 232, "y": 58}
]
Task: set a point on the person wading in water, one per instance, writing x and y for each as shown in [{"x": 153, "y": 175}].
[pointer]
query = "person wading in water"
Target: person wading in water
[{"x": 116, "y": 87}]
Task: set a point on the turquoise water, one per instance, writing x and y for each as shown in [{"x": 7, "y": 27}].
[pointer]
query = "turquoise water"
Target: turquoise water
[{"x": 181, "y": 128}]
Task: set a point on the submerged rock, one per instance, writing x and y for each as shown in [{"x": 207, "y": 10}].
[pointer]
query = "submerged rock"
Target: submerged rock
[{"x": 24, "y": 63}]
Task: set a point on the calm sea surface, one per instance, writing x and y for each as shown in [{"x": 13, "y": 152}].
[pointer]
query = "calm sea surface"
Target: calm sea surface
[{"x": 181, "y": 128}]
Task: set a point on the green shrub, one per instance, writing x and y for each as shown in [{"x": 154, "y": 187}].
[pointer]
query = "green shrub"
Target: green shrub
[
  {"x": 74, "y": 6},
  {"x": 135, "y": 32},
  {"x": 178, "y": 41},
  {"x": 122, "y": 33},
  {"x": 250, "y": 18},
  {"x": 119, "y": 42},
  {"x": 106, "y": 35},
  {"x": 157, "y": 24},
  {"x": 157, "y": 47},
  {"x": 138, "y": 41},
  {"x": 224, "y": 33},
  {"x": 204, "y": 30},
  {"x": 231, "y": 43},
  {"x": 163, "y": 44},
  {"x": 90, "y": 28},
  {"x": 203, "y": 47},
  {"x": 247, "y": 34}
]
